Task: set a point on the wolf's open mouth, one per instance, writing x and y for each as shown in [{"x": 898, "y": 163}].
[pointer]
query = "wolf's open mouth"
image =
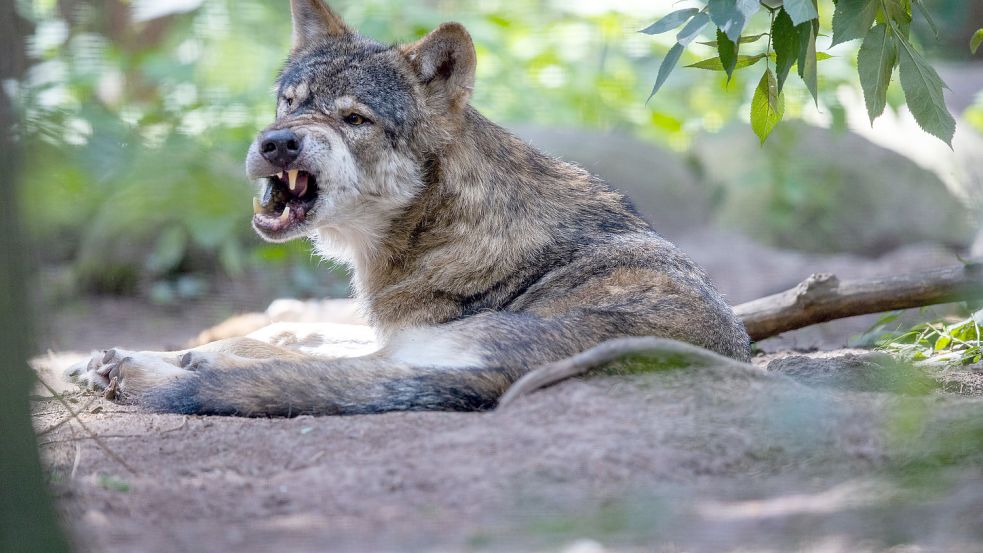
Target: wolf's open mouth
[{"x": 286, "y": 200}]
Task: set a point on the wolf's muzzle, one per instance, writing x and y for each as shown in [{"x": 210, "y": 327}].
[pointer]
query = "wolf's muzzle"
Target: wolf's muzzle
[{"x": 281, "y": 147}]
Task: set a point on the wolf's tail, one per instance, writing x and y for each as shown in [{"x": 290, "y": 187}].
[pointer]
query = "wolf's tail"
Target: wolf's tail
[{"x": 336, "y": 387}]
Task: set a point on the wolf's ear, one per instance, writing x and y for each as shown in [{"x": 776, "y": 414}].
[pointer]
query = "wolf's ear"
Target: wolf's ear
[
  {"x": 444, "y": 61},
  {"x": 314, "y": 20}
]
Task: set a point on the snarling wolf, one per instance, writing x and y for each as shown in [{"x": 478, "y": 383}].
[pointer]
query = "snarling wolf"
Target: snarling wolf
[{"x": 476, "y": 257}]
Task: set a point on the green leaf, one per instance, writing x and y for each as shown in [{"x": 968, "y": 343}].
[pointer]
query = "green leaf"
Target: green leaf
[
  {"x": 670, "y": 21},
  {"x": 715, "y": 64},
  {"x": 852, "y": 19},
  {"x": 898, "y": 10},
  {"x": 785, "y": 41},
  {"x": 746, "y": 39},
  {"x": 928, "y": 17},
  {"x": 875, "y": 62},
  {"x": 692, "y": 29},
  {"x": 730, "y": 16},
  {"x": 668, "y": 63},
  {"x": 942, "y": 343},
  {"x": 726, "y": 53},
  {"x": 923, "y": 90},
  {"x": 767, "y": 106},
  {"x": 974, "y": 43},
  {"x": 807, "y": 57},
  {"x": 800, "y": 11}
]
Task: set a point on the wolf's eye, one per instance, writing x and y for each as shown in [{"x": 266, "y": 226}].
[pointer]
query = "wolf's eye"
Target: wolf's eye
[
  {"x": 355, "y": 119},
  {"x": 289, "y": 101}
]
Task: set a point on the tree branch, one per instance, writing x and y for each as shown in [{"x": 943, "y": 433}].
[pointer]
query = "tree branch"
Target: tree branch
[{"x": 822, "y": 297}]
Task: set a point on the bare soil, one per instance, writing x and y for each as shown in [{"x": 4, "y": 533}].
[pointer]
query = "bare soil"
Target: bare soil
[{"x": 830, "y": 450}]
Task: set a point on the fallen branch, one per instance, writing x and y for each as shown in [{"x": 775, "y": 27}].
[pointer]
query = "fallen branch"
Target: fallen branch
[{"x": 822, "y": 297}]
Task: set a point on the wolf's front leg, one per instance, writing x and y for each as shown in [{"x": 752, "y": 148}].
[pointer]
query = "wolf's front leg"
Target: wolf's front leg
[
  {"x": 135, "y": 372},
  {"x": 125, "y": 372}
]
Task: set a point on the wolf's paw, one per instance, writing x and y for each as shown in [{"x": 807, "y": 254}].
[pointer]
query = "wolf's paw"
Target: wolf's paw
[
  {"x": 87, "y": 373},
  {"x": 121, "y": 373}
]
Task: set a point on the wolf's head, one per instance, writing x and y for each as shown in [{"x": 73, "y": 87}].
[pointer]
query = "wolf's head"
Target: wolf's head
[{"x": 355, "y": 123}]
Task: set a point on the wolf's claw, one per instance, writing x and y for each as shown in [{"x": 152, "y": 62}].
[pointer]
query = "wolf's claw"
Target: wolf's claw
[
  {"x": 119, "y": 372},
  {"x": 86, "y": 373}
]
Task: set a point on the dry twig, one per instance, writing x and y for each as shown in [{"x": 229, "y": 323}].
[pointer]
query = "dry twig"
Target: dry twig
[
  {"x": 58, "y": 424},
  {"x": 102, "y": 445},
  {"x": 184, "y": 422}
]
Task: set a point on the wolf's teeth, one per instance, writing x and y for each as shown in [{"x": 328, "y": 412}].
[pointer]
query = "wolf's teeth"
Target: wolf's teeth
[
  {"x": 280, "y": 175},
  {"x": 292, "y": 175},
  {"x": 257, "y": 207},
  {"x": 285, "y": 216}
]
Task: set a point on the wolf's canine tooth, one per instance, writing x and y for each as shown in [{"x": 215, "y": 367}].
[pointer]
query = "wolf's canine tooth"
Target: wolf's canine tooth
[
  {"x": 285, "y": 216},
  {"x": 257, "y": 207},
  {"x": 292, "y": 175}
]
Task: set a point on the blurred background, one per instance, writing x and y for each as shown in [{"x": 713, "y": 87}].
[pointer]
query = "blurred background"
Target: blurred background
[{"x": 136, "y": 116}]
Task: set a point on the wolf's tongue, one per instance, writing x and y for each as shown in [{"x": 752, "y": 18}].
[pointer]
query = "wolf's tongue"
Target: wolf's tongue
[{"x": 297, "y": 181}]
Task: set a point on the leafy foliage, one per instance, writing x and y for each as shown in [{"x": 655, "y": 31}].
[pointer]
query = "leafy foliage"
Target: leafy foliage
[
  {"x": 876, "y": 60},
  {"x": 731, "y": 16},
  {"x": 717, "y": 64},
  {"x": 936, "y": 342},
  {"x": 767, "y": 106},
  {"x": 852, "y": 19},
  {"x": 923, "y": 90},
  {"x": 785, "y": 41},
  {"x": 671, "y": 21},
  {"x": 884, "y": 26},
  {"x": 727, "y": 53}
]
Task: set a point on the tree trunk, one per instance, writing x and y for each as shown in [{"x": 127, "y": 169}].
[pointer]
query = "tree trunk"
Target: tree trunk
[{"x": 27, "y": 519}]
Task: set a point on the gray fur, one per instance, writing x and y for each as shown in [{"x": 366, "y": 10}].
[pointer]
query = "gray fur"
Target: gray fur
[{"x": 466, "y": 244}]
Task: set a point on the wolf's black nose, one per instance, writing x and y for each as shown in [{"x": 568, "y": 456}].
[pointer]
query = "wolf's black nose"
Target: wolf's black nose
[{"x": 280, "y": 147}]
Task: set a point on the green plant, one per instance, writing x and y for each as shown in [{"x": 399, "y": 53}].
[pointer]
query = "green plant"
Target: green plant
[
  {"x": 794, "y": 25},
  {"x": 936, "y": 342}
]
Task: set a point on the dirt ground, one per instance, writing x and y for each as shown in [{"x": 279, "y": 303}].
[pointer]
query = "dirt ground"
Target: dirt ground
[{"x": 830, "y": 450}]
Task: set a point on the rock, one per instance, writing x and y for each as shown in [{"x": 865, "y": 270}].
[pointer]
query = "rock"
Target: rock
[
  {"x": 820, "y": 190},
  {"x": 664, "y": 189}
]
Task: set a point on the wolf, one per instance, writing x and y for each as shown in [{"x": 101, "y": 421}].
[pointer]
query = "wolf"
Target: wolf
[{"x": 476, "y": 257}]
